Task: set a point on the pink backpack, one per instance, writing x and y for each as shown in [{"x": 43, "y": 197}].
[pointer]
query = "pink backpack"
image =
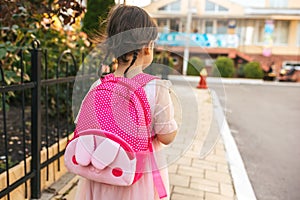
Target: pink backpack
[{"x": 112, "y": 141}]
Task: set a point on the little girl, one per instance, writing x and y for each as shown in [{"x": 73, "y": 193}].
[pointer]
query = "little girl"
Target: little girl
[{"x": 121, "y": 19}]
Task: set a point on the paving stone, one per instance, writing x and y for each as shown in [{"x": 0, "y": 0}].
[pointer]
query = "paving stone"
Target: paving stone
[
  {"x": 203, "y": 164},
  {"x": 188, "y": 191},
  {"x": 179, "y": 180},
  {"x": 204, "y": 187},
  {"x": 190, "y": 171},
  {"x": 173, "y": 168},
  {"x": 222, "y": 168},
  {"x": 227, "y": 190},
  {"x": 204, "y": 181},
  {"x": 218, "y": 176},
  {"x": 176, "y": 196},
  {"x": 213, "y": 196},
  {"x": 184, "y": 161},
  {"x": 217, "y": 159}
]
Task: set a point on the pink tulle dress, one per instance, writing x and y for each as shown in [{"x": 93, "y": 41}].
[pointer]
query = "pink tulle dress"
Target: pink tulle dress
[{"x": 163, "y": 122}]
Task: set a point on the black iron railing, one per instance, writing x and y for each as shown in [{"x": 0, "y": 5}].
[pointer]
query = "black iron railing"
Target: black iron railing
[{"x": 44, "y": 124}]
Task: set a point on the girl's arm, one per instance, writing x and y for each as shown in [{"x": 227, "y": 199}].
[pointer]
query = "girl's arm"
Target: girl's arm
[
  {"x": 165, "y": 125},
  {"x": 166, "y": 138}
]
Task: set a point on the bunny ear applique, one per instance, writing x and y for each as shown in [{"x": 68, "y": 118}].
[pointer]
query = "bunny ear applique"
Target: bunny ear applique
[
  {"x": 105, "y": 153},
  {"x": 84, "y": 149}
]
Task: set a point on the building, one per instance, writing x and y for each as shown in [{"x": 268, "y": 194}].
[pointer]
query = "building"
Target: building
[{"x": 263, "y": 30}]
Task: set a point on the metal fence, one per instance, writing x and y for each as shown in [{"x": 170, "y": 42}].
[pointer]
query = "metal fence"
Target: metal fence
[{"x": 44, "y": 104}]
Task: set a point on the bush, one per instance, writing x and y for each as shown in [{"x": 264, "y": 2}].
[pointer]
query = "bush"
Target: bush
[
  {"x": 158, "y": 66},
  {"x": 224, "y": 67},
  {"x": 195, "y": 65},
  {"x": 253, "y": 70}
]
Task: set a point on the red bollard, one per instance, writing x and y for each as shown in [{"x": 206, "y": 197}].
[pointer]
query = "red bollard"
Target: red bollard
[{"x": 202, "y": 83}]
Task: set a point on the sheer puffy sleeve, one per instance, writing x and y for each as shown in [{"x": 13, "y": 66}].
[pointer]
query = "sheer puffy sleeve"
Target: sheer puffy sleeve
[{"x": 163, "y": 115}]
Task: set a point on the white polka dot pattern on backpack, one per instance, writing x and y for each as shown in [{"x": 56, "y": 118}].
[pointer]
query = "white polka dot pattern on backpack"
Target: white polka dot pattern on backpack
[
  {"x": 112, "y": 141},
  {"x": 119, "y": 105}
]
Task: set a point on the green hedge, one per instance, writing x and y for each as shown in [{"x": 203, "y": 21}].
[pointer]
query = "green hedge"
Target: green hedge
[
  {"x": 253, "y": 70},
  {"x": 224, "y": 67},
  {"x": 195, "y": 65}
]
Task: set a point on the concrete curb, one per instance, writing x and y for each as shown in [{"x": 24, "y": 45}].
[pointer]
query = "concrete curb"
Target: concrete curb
[
  {"x": 242, "y": 185},
  {"x": 242, "y": 81},
  {"x": 235, "y": 81}
]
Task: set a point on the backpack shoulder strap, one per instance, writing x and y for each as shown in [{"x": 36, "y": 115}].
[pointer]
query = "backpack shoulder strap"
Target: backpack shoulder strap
[
  {"x": 143, "y": 78},
  {"x": 137, "y": 81}
]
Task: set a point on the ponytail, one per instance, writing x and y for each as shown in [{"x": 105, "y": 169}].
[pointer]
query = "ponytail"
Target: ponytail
[{"x": 135, "y": 54}]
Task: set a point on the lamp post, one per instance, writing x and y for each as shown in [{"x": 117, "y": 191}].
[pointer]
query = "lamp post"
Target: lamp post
[{"x": 190, "y": 11}]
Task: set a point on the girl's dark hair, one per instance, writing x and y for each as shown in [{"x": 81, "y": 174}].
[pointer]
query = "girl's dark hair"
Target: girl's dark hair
[{"x": 129, "y": 28}]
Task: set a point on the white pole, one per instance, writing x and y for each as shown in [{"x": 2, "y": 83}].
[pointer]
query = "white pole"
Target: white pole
[{"x": 187, "y": 43}]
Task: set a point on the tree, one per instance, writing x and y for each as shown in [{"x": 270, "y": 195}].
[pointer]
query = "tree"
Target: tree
[{"x": 97, "y": 11}]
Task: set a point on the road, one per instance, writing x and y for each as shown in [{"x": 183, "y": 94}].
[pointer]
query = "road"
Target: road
[{"x": 265, "y": 123}]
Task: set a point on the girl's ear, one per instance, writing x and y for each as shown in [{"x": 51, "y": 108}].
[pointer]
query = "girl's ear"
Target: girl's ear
[{"x": 148, "y": 48}]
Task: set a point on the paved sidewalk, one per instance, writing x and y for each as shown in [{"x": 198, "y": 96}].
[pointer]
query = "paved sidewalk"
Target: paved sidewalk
[
  {"x": 206, "y": 178},
  {"x": 193, "y": 176}
]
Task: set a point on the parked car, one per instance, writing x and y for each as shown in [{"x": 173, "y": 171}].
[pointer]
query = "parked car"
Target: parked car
[{"x": 290, "y": 72}]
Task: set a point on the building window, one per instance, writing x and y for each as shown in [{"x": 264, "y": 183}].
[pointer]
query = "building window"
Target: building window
[
  {"x": 261, "y": 31},
  {"x": 195, "y": 28},
  {"x": 281, "y": 32},
  {"x": 209, "y": 27},
  {"x": 175, "y": 6},
  {"x": 161, "y": 22},
  {"x": 278, "y": 3},
  {"x": 249, "y": 32},
  {"x": 222, "y": 27},
  {"x": 266, "y": 32},
  {"x": 164, "y": 25},
  {"x": 209, "y": 6},
  {"x": 212, "y": 7},
  {"x": 221, "y": 8},
  {"x": 175, "y": 25}
]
